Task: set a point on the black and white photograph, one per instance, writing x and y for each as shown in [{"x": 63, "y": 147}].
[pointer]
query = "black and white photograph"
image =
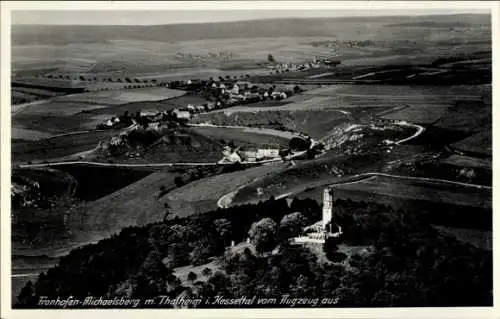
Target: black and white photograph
[{"x": 281, "y": 157}]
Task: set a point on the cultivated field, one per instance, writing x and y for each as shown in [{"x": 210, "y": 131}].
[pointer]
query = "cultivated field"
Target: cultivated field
[
  {"x": 478, "y": 238},
  {"x": 313, "y": 123},
  {"x": 60, "y": 107},
  {"x": 152, "y": 106},
  {"x": 418, "y": 190},
  {"x": 480, "y": 143},
  {"x": 124, "y": 96},
  {"x": 202, "y": 196},
  {"x": 465, "y": 116},
  {"x": 18, "y": 134},
  {"x": 79, "y": 112},
  {"x": 57, "y": 147},
  {"x": 467, "y": 161},
  {"x": 242, "y": 137},
  {"x": 35, "y": 127},
  {"x": 414, "y": 94},
  {"x": 427, "y": 114}
]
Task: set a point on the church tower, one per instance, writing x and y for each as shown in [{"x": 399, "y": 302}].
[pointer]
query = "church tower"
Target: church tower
[{"x": 327, "y": 206}]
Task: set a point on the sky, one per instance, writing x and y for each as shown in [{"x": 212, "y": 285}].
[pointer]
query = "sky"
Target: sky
[{"x": 177, "y": 17}]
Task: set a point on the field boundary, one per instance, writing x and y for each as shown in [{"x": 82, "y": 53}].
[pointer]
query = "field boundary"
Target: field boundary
[{"x": 361, "y": 178}]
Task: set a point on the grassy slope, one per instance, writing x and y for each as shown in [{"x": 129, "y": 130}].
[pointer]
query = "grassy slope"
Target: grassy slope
[
  {"x": 124, "y": 96},
  {"x": 240, "y": 137},
  {"x": 314, "y": 123},
  {"x": 202, "y": 195},
  {"x": 135, "y": 204},
  {"x": 57, "y": 147},
  {"x": 478, "y": 238}
]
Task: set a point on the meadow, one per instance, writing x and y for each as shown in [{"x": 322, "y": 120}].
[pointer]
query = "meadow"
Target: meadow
[
  {"x": 427, "y": 114},
  {"x": 419, "y": 190},
  {"x": 134, "y": 204},
  {"x": 480, "y": 143},
  {"x": 467, "y": 162},
  {"x": 57, "y": 147}
]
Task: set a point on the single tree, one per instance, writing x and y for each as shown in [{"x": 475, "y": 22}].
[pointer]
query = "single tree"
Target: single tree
[
  {"x": 206, "y": 272},
  {"x": 192, "y": 276},
  {"x": 263, "y": 234},
  {"x": 292, "y": 224},
  {"x": 179, "y": 181},
  {"x": 224, "y": 228}
]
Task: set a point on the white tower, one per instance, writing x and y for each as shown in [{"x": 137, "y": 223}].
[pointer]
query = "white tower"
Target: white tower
[{"x": 327, "y": 206}]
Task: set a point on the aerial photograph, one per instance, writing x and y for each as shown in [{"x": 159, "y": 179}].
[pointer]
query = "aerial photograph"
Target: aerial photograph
[{"x": 251, "y": 159}]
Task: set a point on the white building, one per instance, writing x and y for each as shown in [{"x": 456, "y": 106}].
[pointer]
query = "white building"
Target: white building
[
  {"x": 231, "y": 158},
  {"x": 182, "y": 114},
  {"x": 267, "y": 153},
  {"x": 235, "y": 89},
  {"x": 249, "y": 155}
]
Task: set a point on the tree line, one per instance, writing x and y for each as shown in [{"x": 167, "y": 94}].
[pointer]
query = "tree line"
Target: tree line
[{"x": 404, "y": 254}]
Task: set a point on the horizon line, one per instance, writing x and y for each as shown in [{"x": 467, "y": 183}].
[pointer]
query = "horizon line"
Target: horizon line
[{"x": 434, "y": 14}]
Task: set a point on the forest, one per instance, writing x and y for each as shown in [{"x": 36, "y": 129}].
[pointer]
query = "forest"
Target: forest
[{"x": 407, "y": 262}]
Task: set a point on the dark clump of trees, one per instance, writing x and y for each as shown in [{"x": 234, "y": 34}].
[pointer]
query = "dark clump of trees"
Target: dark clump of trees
[
  {"x": 179, "y": 182},
  {"x": 406, "y": 263}
]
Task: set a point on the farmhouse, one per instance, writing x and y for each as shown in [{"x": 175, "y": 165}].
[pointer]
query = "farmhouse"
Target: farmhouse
[
  {"x": 267, "y": 153},
  {"x": 230, "y": 157},
  {"x": 235, "y": 89},
  {"x": 248, "y": 155},
  {"x": 148, "y": 113},
  {"x": 182, "y": 114},
  {"x": 244, "y": 84}
]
